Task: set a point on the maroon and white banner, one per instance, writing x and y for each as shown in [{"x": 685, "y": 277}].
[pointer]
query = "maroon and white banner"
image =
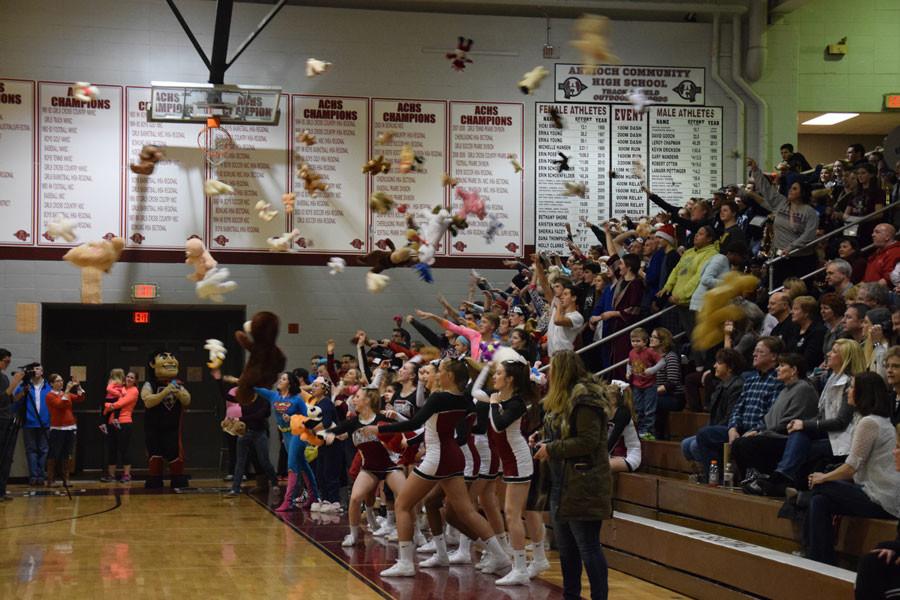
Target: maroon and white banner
[
  {"x": 163, "y": 209},
  {"x": 334, "y": 220},
  {"x": 613, "y": 84},
  {"x": 81, "y": 173},
  {"x": 483, "y": 137},
  {"x": 421, "y": 124},
  {"x": 18, "y": 159}
]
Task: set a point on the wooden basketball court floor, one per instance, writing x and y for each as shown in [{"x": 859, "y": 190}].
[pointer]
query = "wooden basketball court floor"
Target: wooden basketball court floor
[{"x": 127, "y": 542}]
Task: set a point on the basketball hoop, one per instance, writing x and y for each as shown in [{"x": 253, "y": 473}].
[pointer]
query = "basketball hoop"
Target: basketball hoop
[{"x": 215, "y": 142}]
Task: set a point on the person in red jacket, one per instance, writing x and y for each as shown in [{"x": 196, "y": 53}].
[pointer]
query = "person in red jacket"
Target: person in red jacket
[
  {"x": 887, "y": 253},
  {"x": 62, "y": 426}
]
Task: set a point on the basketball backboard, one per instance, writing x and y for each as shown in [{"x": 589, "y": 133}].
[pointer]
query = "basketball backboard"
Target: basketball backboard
[{"x": 173, "y": 101}]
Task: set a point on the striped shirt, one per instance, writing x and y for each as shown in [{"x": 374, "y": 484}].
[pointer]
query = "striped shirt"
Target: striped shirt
[
  {"x": 758, "y": 395},
  {"x": 670, "y": 374}
]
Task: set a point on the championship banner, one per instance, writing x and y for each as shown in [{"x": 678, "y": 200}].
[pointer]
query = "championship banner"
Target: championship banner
[{"x": 614, "y": 83}]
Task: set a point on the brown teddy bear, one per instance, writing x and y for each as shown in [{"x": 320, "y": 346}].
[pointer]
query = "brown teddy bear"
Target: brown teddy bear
[
  {"x": 266, "y": 359},
  {"x": 149, "y": 156},
  {"x": 382, "y": 260},
  {"x": 94, "y": 259}
]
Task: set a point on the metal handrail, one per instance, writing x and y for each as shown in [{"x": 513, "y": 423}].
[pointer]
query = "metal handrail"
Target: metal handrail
[
  {"x": 616, "y": 334},
  {"x": 623, "y": 362},
  {"x": 820, "y": 269}
]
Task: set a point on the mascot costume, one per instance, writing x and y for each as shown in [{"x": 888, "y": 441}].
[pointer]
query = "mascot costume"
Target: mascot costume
[{"x": 165, "y": 399}]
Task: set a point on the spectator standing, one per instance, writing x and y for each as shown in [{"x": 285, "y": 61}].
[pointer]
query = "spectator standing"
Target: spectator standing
[
  {"x": 684, "y": 280},
  {"x": 9, "y": 422},
  {"x": 118, "y": 439},
  {"x": 62, "y": 426},
  {"x": 643, "y": 384},
  {"x": 796, "y": 162},
  {"x": 36, "y": 426}
]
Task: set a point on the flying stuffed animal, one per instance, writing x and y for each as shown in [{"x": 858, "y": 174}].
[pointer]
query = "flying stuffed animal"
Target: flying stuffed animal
[
  {"x": 265, "y": 211},
  {"x": 147, "y": 159},
  {"x": 385, "y": 137},
  {"x": 94, "y": 259},
  {"x": 289, "y": 200},
  {"x": 62, "y": 228},
  {"x": 562, "y": 163},
  {"x": 638, "y": 100},
  {"x": 381, "y": 203},
  {"x": 448, "y": 181},
  {"x": 555, "y": 117},
  {"x": 376, "y": 282},
  {"x": 472, "y": 204},
  {"x": 306, "y": 138},
  {"x": 437, "y": 224},
  {"x": 216, "y": 351},
  {"x": 718, "y": 307},
  {"x": 266, "y": 359},
  {"x": 214, "y": 187},
  {"x": 376, "y": 165},
  {"x": 493, "y": 228},
  {"x": 592, "y": 41},
  {"x": 84, "y": 91},
  {"x": 459, "y": 57},
  {"x": 283, "y": 242},
  {"x": 312, "y": 181},
  {"x": 233, "y": 426},
  {"x": 196, "y": 255},
  {"x": 214, "y": 285},
  {"x": 316, "y": 67},
  {"x": 336, "y": 264},
  {"x": 514, "y": 161},
  {"x": 575, "y": 189},
  {"x": 408, "y": 159},
  {"x": 532, "y": 79}
]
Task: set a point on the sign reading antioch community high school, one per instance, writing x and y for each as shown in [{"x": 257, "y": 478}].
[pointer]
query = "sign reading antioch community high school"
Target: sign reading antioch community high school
[{"x": 614, "y": 83}]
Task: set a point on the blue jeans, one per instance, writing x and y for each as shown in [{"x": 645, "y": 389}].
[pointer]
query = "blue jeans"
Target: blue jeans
[
  {"x": 691, "y": 449},
  {"x": 258, "y": 441},
  {"x": 37, "y": 445},
  {"x": 645, "y": 407},
  {"x": 801, "y": 448},
  {"x": 296, "y": 450},
  {"x": 829, "y": 499},
  {"x": 578, "y": 543},
  {"x": 710, "y": 440}
]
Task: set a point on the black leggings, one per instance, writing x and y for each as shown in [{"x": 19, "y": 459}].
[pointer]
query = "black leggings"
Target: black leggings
[
  {"x": 875, "y": 577},
  {"x": 118, "y": 445}
]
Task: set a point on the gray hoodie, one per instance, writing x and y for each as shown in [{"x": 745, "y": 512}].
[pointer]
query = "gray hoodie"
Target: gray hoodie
[{"x": 798, "y": 400}]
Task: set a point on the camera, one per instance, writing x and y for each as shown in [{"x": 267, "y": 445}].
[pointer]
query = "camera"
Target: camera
[{"x": 28, "y": 370}]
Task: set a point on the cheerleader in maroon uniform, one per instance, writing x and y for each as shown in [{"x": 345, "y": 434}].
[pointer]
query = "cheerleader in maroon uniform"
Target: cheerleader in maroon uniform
[
  {"x": 443, "y": 465},
  {"x": 380, "y": 461},
  {"x": 508, "y": 404}
]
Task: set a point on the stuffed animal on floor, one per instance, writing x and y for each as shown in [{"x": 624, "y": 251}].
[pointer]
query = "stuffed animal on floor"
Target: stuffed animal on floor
[
  {"x": 214, "y": 187},
  {"x": 316, "y": 67},
  {"x": 266, "y": 359},
  {"x": 216, "y": 351},
  {"x": 62, "y": 228},
  {"x": 718, "y": 307},
  {"x": 84, "y": 91},
  {"x": 532, "y": 79},
  {"x": 196, "y": 255},
  {"x": 592, "y": 41},
  {"x": 94, "y": 259},
  {"x": 233, "y": 426},
  {"x": 215, "y": 285},
  {"x": 149, "y": 156},
  {"x": 304, "y": 427}
]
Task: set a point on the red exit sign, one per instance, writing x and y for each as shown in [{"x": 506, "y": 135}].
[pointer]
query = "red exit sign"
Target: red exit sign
[
  {"x": 141, "y": 317},
  {"x": 892, "y": 101},
  {"x": 144, "y": 291}
]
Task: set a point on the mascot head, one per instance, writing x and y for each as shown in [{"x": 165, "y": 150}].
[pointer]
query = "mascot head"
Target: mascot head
[{"x": 163, "y": 366}]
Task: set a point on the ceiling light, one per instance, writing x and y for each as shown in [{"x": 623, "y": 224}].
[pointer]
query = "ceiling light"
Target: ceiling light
[{"x": 830, "y": 119}]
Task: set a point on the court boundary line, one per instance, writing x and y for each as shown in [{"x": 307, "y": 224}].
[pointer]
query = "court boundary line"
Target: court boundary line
[
  {"x": 341, "y": 562},
  {"x": 60, "y": 520}
]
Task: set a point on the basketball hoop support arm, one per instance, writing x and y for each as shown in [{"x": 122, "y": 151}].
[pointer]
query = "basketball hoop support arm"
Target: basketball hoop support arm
[{"x": 219, "y": 63}]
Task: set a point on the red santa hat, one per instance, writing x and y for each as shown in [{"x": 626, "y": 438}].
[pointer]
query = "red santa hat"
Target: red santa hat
[{"x": 666, "y": 232}]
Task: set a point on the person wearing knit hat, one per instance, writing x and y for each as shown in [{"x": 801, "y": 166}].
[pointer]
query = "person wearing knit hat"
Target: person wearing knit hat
[{"x": 877, "y": 328}]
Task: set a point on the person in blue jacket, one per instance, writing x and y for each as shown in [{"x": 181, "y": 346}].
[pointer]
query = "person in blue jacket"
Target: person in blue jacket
[{"x": 31, "y": 400}]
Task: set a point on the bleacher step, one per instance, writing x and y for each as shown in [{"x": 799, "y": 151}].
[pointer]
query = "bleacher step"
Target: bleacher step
[
  {"x": 745, "y": 568},
  {"x": 664, "y": 455},
  {"x": 685, "y": 423}
]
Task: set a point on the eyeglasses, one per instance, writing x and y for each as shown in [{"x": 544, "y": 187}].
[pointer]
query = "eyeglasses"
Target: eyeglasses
[{"x": 654, "y": 337}]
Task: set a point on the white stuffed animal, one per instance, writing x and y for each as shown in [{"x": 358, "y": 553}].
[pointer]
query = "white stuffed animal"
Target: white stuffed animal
[
  {"x": 265, "y": 211},
  {"x": 217, "y": 353},
  {"x": 84, "y": 91},
  {"x": 283, "y": 242},
  {"x": 214, "y": 285},
  {"x": 433, "y": 231},
  {"x": 214, "y": 187},
  {"x": 336, "y": 264},
  {"x": 376, "y": 282},
  {"x": 62, "y": 228},
  {"x": 315, "y": 67}
]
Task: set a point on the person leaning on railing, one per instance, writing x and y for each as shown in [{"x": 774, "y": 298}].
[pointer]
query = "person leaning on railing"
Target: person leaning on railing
[{"x": 794, "y": 227}]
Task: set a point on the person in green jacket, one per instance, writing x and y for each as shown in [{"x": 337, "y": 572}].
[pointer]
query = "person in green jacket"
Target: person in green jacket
[
  {"x": 685, "y": 277},
  {"x": 576, "y": 410}
]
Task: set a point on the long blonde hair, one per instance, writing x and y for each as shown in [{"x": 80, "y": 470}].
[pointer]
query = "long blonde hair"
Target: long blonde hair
[
  {"x": 852, "y": 359},
  {"x": 566, "y": 370}
]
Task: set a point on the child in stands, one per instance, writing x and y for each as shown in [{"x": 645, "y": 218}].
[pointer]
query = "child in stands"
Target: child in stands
[{"x": 643, "y": 384}]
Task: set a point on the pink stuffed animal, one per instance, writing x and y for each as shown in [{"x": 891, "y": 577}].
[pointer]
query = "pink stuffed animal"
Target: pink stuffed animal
[{"x": 198, "y": 257}]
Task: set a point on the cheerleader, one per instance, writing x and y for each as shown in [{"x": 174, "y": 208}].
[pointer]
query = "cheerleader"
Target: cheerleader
[
  {"x": 442, "y": 465},
  {"x": 508, "y": 404},
  {"x": 379, "y": 463}
]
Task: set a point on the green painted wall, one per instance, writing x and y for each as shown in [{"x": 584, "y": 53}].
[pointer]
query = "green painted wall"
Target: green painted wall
[{"x": 798, "y": 77}]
